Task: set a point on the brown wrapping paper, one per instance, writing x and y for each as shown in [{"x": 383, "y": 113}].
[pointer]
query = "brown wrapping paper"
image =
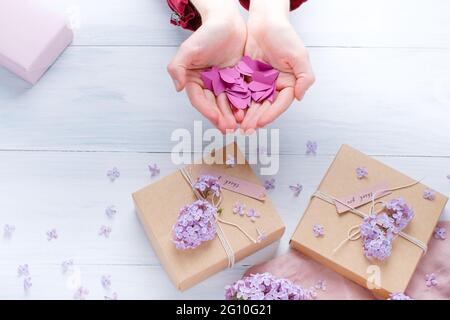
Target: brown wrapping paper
[
  {"x": 382, "y": 277},
  {"x": 158, "y": 206}
]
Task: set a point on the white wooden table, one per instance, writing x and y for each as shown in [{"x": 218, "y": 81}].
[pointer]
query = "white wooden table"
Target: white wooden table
[{"x": 383, "y": 86}]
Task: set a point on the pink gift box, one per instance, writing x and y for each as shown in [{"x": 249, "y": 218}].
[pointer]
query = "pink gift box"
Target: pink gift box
[{"x": 31, "y": 38}]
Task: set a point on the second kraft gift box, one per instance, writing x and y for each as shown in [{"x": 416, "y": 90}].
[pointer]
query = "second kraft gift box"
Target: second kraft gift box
[
  {"x": 158, "y": 206},
  {"x": 341, "y": 189}
]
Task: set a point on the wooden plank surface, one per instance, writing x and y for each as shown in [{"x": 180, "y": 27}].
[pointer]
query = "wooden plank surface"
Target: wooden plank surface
[{"x": 382, "y": 86}]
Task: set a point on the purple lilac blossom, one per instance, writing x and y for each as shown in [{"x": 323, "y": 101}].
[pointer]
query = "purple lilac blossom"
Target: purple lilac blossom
[
  {"x": 106, "y": 282},
  {"x": 52, "y": 234},
  {"x": 208, "y": 186},
  {"x": 27, "y": 284},
  {"x": 253, "y": 214},
  {"x": 321, "y": 285},
  {"x": 239, "y": 208},
  {"x": 430, "y": 280},
  {"x": 378, "y": 231},
  {"x": 440, "y": 233},
  {"x": 311, "y": 147},
  {"x": 113, "y": 174},
  {"x": 195, "y": 224},
  {"x": 399, "y": 296},
  {"x": 154, "y": 170},
  {"x": 8, "y": 230},
  {"x": 23, "y": 270},
  {"x": 261, "y": 235},
  {"x": 269, "y": 184},
  {"x": 265, "y": 286},
  {"x": 230, "y": 161},
  {"x": 296, "y": 189},
  {"x": 67, "y": 266},
  {"x": 111, "y": 211},
  {"x": 361, "y": 172},
  {"x": 429, "y": 194},
  {"x": 105, "y": 231},
  {"x": 318, "y": 230}
]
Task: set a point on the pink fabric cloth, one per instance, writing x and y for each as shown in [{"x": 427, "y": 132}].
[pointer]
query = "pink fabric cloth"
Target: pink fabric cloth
[{"x": 306, "y": 272}]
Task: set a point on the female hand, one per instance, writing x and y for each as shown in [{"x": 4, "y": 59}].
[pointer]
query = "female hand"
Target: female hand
[
  {"x": 219, "y": 42},
  {"x": 271, "y": 38}
]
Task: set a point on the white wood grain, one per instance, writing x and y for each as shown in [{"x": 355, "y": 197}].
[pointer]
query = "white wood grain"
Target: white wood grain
[
  {"x": 385, "y": 101},
  {"x": 69, "y": 191},
  {"x": 355, "y": 23},
  {"x": 383, "y": 79}
]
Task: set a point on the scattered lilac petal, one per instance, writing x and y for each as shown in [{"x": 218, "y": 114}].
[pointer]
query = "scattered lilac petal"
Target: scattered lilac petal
[
  {"x": 430, "y": 280},
  {"x": 230, "y": 162},
  {"x": 269, "y": 184},
  {"x": 239, "y": 208},
  {"x": 106, "y": 282},
  {"x": 52, "y": 235},
  {"x": 67, "y": 266},
  {"x": 105, "y": 231},
  {"x": 318, "y": 230},
  {"x": 448, "y": 176},
  {"x": 311, "y": 147},
  {"x": 261, "y": 235},
  {"x": 27, "y": 283},
  {"x": 154, "y": 170},
  {"x": 429, "y": 194},
  {"x": 265, "y": 286},
  {"x": 440, "y": 233},
  {"x": 111, "y": 211},
  {"x": 8, "y": 230},
  {"x": 81, "y": 293},
  {"x": 399, "y": 296},
  {"x": 253, "y": 214},
  {"x": 321, "y": 285},
  {"x": 362, "y": 172},
  {"x": 113, "y": 174},
  {"x": 23, "y": 270},
  {"x": 113, "y": 296},
  {"x": 296, "y": 189}
]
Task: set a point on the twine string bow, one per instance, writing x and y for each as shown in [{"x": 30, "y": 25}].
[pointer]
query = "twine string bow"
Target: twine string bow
[
  {"x": 354, "y": 232},
  {"x": 216, "y": 201}
]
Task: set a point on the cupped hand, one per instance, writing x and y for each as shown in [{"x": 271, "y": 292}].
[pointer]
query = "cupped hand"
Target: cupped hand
[
  {"x": 220, "y": 41},
  {"x": 276, "y": 42}
]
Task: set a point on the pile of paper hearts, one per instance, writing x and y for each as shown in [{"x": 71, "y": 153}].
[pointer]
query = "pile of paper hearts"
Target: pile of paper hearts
[{"x": 250, "y": 80}]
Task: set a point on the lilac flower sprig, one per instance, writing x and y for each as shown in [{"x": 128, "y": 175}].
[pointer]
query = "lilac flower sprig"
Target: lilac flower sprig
[
  {"x": 265, "y": 286},
  {"x": 378, "y": 231},
  {"x": 399, "y": 296},
  {"x": 207, "y": 186},
  {"x": 195, "y": 225}
]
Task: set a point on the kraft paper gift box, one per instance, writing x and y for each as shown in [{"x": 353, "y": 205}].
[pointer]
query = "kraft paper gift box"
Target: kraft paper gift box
[
  {"x": 382, "y": 277},
  {"x": 159, "y": 204},
  {"x": 31, "y": 38}
]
